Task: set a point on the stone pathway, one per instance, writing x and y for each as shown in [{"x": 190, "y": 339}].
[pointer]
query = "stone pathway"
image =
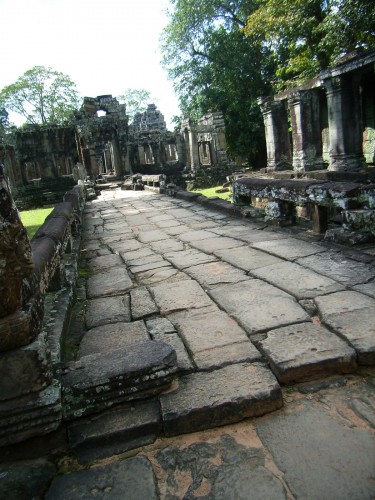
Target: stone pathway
[{"x": 194, "y": 319}]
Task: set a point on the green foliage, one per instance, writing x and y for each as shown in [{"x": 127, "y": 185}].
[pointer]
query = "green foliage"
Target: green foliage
[
  {"x": 136, "y": 101},
  {"x": 307, "y": 36},
  {"x": 212, "y": 192},
  {"x": 41, "y": 95},
  {"x": 213, "y": 65},
  {"x": 33, "y": 219}
]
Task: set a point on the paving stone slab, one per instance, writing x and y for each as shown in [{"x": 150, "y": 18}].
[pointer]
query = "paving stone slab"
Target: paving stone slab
[
  {"x": 167, "y": 245},
  {"x": 184, "y": 363},
  {"x": 215, "y": 273},
  {"x": 131, "y": 479},
  {"x": 341, "y": 302},
  {"x": 142, "y": 303},
  {"x": 208, "y": 399},
  {"x": 289, "y": 248},
  {"x": 113, "y": 281},
  {"x": 195, "y": 235},
  {"x": 26, "y": 479},
  {"x": 168, "y": 223},
  {"x": 305, "y": 352},
  {"x": 339, "y": 268},
  {"x": 136, "y": 255},
  {"x": 207, "y": 328},
  {"x": 218, "y": 357},
  {"x": 297, "y": 280},
  {"x": 149, "y": 236},
  {"x": 176, "y": 230},
  {"x": 247, "y": 258},
  {"x": 107, "y": 310},
  {"x": 188, "y": 258},
  {"x": 116, "y": 430},
  {"x": 366, "y": 288},
  {"x": 162, "y": 217},
  {"x": 128, "y": 245},
  {"x": 108, "y": 338},
  {"x": 185, "y": 294},
  {"x": 181, "y": 213},
  {"x": 161, "y": 275},
  {"x": 156, "y": 262},
  {"x": 105, "y": 262},
  {"x": 205, "y": 224},
  {"x": 210, "y": 245},
  {"x": 157, "y": 326},
  {"x": 319, "y": 456},
  {"x": 258, "y": 306},
  {"x": 249, "y": 234}
]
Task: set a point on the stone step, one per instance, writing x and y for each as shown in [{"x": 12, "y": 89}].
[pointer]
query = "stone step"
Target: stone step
[{"x": 98, "y": 381}]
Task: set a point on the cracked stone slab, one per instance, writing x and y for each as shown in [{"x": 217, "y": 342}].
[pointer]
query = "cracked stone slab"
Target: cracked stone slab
[
  {"x": 207, "y": 328},
  {"x": 164, "y": 224},
  {"x": 113, "y": 281},
  {"x": 188, "y": 258},
  {"x": 247, "y": 258},
  {"x": 131, "y": 479},
  {"x": 258, "y": 306},
  {"x": 216, "y": 273},
  {"x": 26, "y": 478},
  {"x": 176, "y": 230},
  {"x": 107, "y": 338},
  {"x": 338, "y": 267},
  {"x": 341, "y": 302},
  {"x": 289, "y": 248},
  {"x": 136, "y": 255},
  {"x": 142, "y": 303},
  {"x": 167, "y": 245},
  {"x": 218, "y": 357},
  {"x": 305, "y": 352},
  {"x": 211, "y": 245},
  {"x": 105, "y": 262},
  {"x": 158, "y": 326},
  {"x": 125, "y": 245},
  {"x": 195, "y": 235},
  {"x": 297, "y": 280},
  {"x": 184, "y": 363},
  {"x": 366, "y": 288},
  {"x": 207, "y": 399},
  {"x": 154, "y": 262},
  {"x": 161, "y": 275},
  {"x": 107, "y": 310},
  {"x": 249, "y": 234},
  {"x": 115, "y": 431},
  {"x": 180, "y": 295},
  {"x": 150, "y": 236}
]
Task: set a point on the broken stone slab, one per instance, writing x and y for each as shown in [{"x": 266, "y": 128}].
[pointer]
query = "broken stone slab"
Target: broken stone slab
[
  {"x": 104, "y": 262},
  {"x": 158, "y": 326},
  {"x": 366, "y": 288},
  {"x": 113, "y": 281},
  {"x": 184, "y": 363},
  {"x": 339, "y": 268},
  {"x": 210, "y": 245},
  {"x": 185, "y": 294},
  {"x": 26, "y": 478},
  {"x": 258, "y": 306},
  {"x": 161, "y": 275},
  {"x": 115, "y": 431},
  {"x": 134, "y": 256},
  {"x": 305, "y": 352},
  {"x": 247, "y": 258},
  {"x": 216, "y": 273},
  {"x": 218, "y": 357},
  {"x": 297, "y": 280},
  {"x": 132, "y": 479},
  {"x": 142, "y": 303},
  {"x": 99, "y": 381},
  {"x": 289, "y": 248},
  {"x": 207, "y": 399},
  {"x": 167, "y": 245},
  {"x": 128, "y": 245},
  {"x": 188, "y": 258},
  {"x": 156, "y": 262},
  {"x": 107, "y": 310},
  {"x": 107, "y": 338},
  {"x": 207, "y": 328}
]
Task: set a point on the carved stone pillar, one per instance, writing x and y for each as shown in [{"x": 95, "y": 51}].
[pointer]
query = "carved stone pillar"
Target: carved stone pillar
[
  {"x": 277, "y": 136},
  {"x": 344, "y": 119},
  {"x": 193, "y": 150},
  {"x": 307, "y": 140}
]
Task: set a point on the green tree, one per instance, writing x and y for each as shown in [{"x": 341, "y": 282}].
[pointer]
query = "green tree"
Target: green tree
[
  {"x": 41, "y": 95},
  {"x": 213, "y": 65},
  {"x": 136, "y": 101},
  {"x": 307, "y": 36}
]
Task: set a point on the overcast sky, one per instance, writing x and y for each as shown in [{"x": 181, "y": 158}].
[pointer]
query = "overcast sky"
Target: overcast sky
[{"x": 104, "y": 46}]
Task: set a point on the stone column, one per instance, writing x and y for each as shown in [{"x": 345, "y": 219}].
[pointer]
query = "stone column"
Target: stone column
[
  {"x": 304, "y": 109},
  {"x": 277, "y": 136},
  {"x": 344, "y": 119},
  {"x": 193, "y": 150}
]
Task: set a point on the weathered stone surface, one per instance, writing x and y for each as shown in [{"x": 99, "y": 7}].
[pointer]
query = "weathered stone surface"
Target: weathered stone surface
[
  {"x": 149, "y": 236},
  {"x": 176, "y": 230},
  {"x": 107, "y": 338},
  {"x": 99, "y": 381},
  {"x": 207, "y": 399},
  {"x": 340, "y": 302},
  {"x": 114, "y": 281},
  {"x": 185, "y": 294},
  {"x": 297, "y": 280},
  {"x": 156, "y": 262},
  {"x": 134, "y": 256},
  {"x": 105, "y": 262},
  {"x": 247, "y": 258},
  {"x": 206, "y": 328},
  {"x": 188, "y": 258},
  {"x": 252, "y": 236},
  {"x": 115, "y": 431},
  {"x": 157, "y": 326},
  {"x": 129, "y": 245},
  {"x": 184, "y": 362},
  {"x": 167, "y": 245},
  {"x": 258, "y": 306},
  {"x": 339, "y": 268},
  {"x": 308, "y": 444},
  {"x": 181, "y": 213},
  {"x": 26, "y": 479},
  {"x": 215, "y": 273},
  {"x": 107, "y": 310},
  {"x": 16, "y": 329},
  {"x": 218, "y": 357},
  {"x": 366, "y": 288},
  {"x": 142, "y": 303},
  {"x": 210, "y": 245},
  {"x": 196, "y": 235},
  {"x": 166, "y": 224},
  {"x": 289, "y": 248},
  {"x": 305, "y": 352},
  {"x": 161, "y": 275},
  {"x": 131, "y": 479}
]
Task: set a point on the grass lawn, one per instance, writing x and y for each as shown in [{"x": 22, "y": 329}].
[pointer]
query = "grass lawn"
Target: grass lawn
[
  {"x": 33, "y": 219},
  {"x": 210, "y": 192}
]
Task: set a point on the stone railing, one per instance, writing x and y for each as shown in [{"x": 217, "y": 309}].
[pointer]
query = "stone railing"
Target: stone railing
[{"x": 30, "y": 400}]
